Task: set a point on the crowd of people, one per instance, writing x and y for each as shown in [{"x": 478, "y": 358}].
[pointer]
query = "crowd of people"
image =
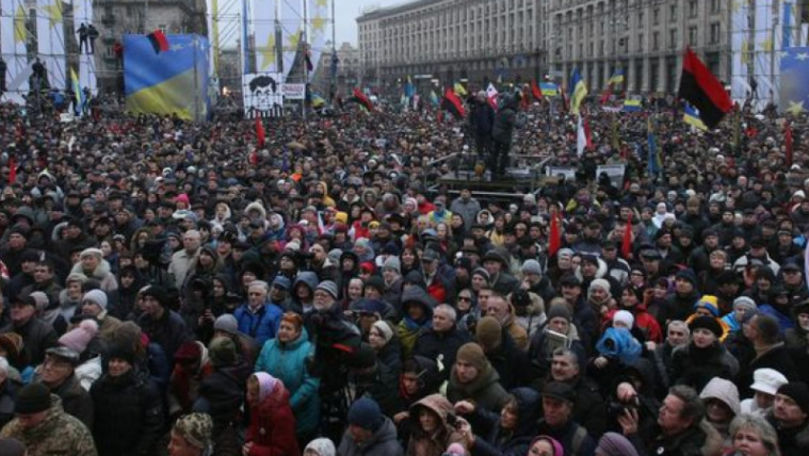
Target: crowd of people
[{"x": 170, "y": 288}]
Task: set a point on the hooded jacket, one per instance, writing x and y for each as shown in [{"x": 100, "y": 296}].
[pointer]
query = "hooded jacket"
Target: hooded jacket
[
  {"x": 497, "y": 441},
  {"x": 408, "y": 329},
  {"x": 435, "y": 443}
]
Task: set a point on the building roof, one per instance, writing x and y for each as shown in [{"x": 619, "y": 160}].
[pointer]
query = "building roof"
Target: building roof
[{"x": 395, "y": 9}]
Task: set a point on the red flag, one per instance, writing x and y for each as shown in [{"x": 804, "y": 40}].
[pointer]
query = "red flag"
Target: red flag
[
  {"x": 626, "y": 243},
  {"x": 555, "y": 237},
  {"x": 260, "y": 133},
  {"x": 788, "y": 142},
  {"x": 605, "y": 97},
  {"x": 12, "y": 170},
  {"x": 535, "y": 90}
]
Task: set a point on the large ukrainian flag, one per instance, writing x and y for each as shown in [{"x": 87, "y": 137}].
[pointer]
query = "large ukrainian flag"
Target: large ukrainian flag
[{"x": 166, "y": 82}]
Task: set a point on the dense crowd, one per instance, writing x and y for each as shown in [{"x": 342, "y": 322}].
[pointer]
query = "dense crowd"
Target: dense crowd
[{"x": 169, "y": 286}]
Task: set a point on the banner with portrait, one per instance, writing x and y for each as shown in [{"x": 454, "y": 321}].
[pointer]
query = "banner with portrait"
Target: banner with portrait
[{"x": 263, "y": 95}]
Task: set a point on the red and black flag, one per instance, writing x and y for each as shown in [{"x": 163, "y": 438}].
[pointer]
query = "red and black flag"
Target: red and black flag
[
  {"x": 535, "y": 90},
  {"x": 701, "y": 88},
  {"x": 453, "y": 104},
  {"x": 159, "y": 41},
  {"x": 788, "y": 143},
  {"x": 360, "y": 98}
]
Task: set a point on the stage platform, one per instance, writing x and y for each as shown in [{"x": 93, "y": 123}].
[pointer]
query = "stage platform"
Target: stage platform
[{"x": 518, "y": 182}]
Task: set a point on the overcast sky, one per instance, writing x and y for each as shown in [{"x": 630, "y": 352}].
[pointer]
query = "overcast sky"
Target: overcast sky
[{"x": 346, "y": 11}]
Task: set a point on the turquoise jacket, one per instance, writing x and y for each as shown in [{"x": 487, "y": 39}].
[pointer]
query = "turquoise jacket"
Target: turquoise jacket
[{"x": 287, "y": 362}]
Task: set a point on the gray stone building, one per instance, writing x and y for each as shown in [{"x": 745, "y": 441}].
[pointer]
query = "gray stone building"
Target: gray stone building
[
  {"x": 450, "y": 40},
  {"x": 349, "y": 70},
  {"x": 491, "y": 39},
  {"x": 644, "y": 38}
]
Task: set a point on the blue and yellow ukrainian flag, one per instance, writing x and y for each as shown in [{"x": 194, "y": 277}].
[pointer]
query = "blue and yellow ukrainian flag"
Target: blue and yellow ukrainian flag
[
  {"x": 74, "y": 83},
  {"x": 164, "y": 83},
  {"x": 632, "y": 105},
  {"x": 691, "y": 117},
  {"x": 616, "y": 78},
  {"x": 317, "y": 100},
  {"x": 577, "y": 91},
  {"x": 549, "y": 89}
]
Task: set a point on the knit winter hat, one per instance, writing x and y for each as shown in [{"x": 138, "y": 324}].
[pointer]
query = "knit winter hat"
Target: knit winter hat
[
  {"x": 559, "y": 310},
  {"x": 531, "y": 267},
  {"x": 41, "y": 300},
  {"x": 472, "y": 353},
  {"x": 366, "y": 414},
  {"x": 688, "y": 275},
  {"x": 489, "y": 333},
  {"x": 392, "y": 262},
  {"x": 33, "y": 398},
  {"x": 78, "y": 337},
  {"x": 625, "y": 317},
  {"x": 481, "y": 272},
  {"x": 226, "y": 323},
  {"x": 329, "y": 287},
  {"x": 196, "y": 429},
  {"x": 614, "y": 444},
  {"x": 222, "y": 352},
  {"x": 744, "y": 303},
  {"x": 604, "y": 284},
  {"x": 384, "y": 328},
  {"x": 96, "y": 296},
  {"x": 709, "y": 302},
  {"x": 798, "y": 392}
]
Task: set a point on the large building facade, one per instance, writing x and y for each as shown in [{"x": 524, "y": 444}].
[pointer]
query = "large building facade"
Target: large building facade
[
  {"x": 452, "y": 40},
  {"x": 347, "y": 76},
  {"x": 643, "y": 38},
  {"x": 510, "y": 39}
]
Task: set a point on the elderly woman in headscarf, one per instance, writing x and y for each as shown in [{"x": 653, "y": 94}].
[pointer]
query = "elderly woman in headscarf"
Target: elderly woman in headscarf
[{"x": 272, "y": 423}]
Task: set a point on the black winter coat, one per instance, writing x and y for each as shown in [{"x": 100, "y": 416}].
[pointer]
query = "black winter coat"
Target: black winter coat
[
  {"x": 128, "y": 415},
  {"x": 221, "y": 394},
  {"x": 432, "y": 344}
]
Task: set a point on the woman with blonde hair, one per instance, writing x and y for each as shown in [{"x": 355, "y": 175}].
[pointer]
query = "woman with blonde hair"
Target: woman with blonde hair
[{"x": 752, "y": 435}]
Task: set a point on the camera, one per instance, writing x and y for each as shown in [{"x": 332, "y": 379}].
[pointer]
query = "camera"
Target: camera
[{"x": 617, "y": 408}]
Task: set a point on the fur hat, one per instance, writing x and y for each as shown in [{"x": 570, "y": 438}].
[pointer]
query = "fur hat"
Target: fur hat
[{"x": 196, "y": 429}]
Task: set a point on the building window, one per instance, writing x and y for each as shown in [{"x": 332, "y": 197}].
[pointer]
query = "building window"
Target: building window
[
  {"x": 692, "y": 35},
  {"x": 714, "y": 6},
  {"x": 656, "y": 16},
  {"x": 640, "y": 41},
  {"x": 692, "y": 8},
  {"x": 715, "y": 30},
  {"x": 655, "y": 41},
  {"x": 673, "y": 38},
  {"x": 673, "y": 12}
]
